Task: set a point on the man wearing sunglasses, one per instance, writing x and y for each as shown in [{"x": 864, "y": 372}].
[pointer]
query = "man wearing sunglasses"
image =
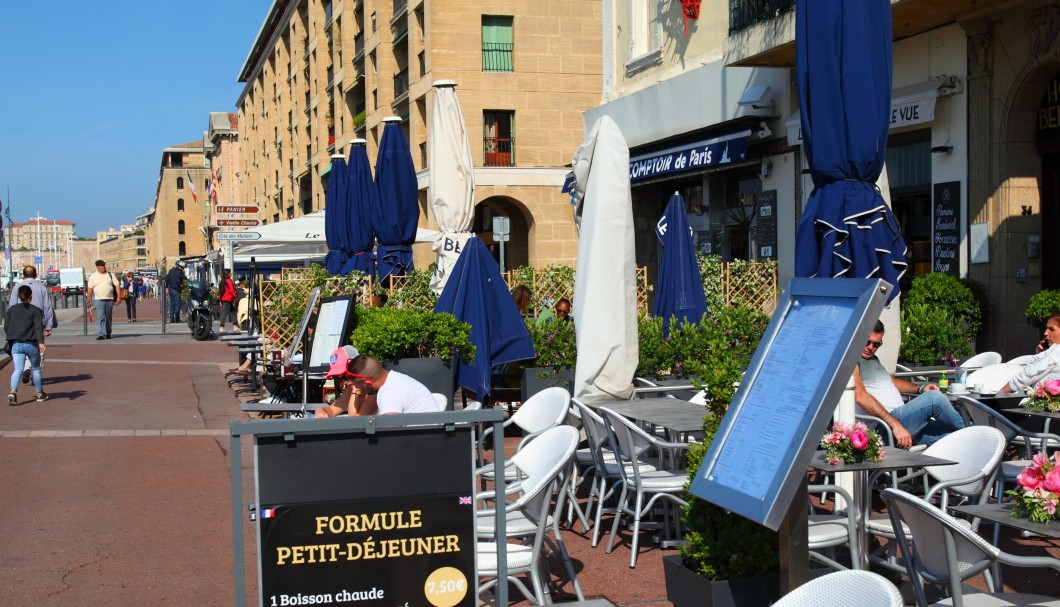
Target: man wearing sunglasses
[
  {"x": 921, "y": 421},
  {"x": 367, "y": 388}
]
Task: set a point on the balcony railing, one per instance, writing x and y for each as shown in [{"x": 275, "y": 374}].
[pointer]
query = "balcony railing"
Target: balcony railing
[
  {"x": 497, "y": 57},
  {"x": 498, "y": 151},
  {"x": 401, "y": 83},
  {"x": 745, "y": 14},
  {"x": 400, "y": 5}
]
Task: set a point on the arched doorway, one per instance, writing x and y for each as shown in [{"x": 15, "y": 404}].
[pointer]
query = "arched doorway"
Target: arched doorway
[{"x": 516, "y": 249}]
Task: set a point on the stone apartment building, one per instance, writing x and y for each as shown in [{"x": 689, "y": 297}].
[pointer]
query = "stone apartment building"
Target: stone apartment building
[
  {"x": 175, "y": 225},
  {"x": 49, "y": 239},
  {"x": 323, "y": 72},
  {"x": 123, "y": 249}
]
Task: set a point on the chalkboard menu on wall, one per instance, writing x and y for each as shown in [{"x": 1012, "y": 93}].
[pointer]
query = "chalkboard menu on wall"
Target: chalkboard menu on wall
[
  {"x": 767, "y": 225},
  {"x": 946, "y": 228}
]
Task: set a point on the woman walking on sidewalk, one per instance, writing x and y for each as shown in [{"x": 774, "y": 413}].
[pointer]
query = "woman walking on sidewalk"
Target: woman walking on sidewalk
[
  {"x": 129, "y": 284},
  {"x": 25, "y": 333}
]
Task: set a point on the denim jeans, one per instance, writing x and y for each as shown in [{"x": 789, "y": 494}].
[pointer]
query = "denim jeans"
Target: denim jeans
[
  {"x": 174, "y": 305},
  {"x": 20, "y": 351},
  {"x": 130, "y": 307},
  {"x": 105, "y": 312},
  {"x": 928, "y": 417}
]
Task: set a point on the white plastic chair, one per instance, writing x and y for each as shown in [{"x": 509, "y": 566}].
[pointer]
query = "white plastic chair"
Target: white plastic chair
[
  {"x": 840, "y": 588},
  {"x": 983, "y": 359},
  {"x": 993, "y": 377},
  {"x": 827, "y": 531},
  {"x": 542, "y": 465},
  {"x": 544, "y": 410},
  {"x": 442, "y": 401},
  {"x": 598, "y": 461},
  {"x": 631, "y": 445},
  {"x": 944, "y": 552},
  {"x": 1021, "y": 360}
]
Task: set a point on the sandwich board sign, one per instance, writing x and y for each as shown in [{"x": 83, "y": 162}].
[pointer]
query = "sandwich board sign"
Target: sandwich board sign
[{"x": 758, "y": 457}]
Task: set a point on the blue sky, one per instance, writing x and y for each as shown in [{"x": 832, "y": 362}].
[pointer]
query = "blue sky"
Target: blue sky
[{"x": 92, "y": 92}]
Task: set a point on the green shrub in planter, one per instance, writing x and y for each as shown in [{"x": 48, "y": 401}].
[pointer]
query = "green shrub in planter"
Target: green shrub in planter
[
  {"x": 393, "y": 333},
  {"x": 931, "y": 332},
  {"x": 1042, "y": 305},
  {"x": 555, "y": 344},
  {"x": 944, "y": 291},
  {"x": 722, "y": 545}
]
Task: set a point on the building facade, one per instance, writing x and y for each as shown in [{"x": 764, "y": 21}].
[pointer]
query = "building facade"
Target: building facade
[
  {"x": 44, "y": 243},
  {"x": 123, "y": 249},
  {"x": 714, "y": 115},
  {"x": 323, "y": 72},
  {"x": 175, "y": 226},
  {"x": 221, "y": 145}
]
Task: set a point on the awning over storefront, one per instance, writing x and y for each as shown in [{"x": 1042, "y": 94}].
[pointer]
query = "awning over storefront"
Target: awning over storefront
[
  {"x": 914, "y": 104},
  {"x": 713, "y": 152}
]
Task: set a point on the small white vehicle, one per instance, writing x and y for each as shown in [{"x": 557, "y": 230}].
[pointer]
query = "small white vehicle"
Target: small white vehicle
[{"x": 72, "y": 280}]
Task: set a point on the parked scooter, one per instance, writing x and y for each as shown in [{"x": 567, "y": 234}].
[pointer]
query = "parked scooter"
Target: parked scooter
[{"x": 199, "y": 319}]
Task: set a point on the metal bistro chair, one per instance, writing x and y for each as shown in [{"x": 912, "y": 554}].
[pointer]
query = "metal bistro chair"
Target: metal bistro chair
[
  {"x": 827, "y": 531},
  {"x": 942, "y": 551},
  {"x": 839, "y": 588},
  {"x": 631, "y": 445},
  {"x": 977, "y": 451},
  {"x": 983, "y": 359},
  {"x": 1022, "y": 438},
  {"x": 542, "y": 465},
  {"x": 597, "y": 461}
]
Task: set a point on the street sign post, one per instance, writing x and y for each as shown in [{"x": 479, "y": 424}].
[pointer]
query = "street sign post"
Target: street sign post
[
  {"x": 223, "y": 236},
  {"x": 235, "y": 208},
  {"x": 501, "y": 230}
]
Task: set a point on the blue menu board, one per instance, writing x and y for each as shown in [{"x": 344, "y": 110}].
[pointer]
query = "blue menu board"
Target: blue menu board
[{"x": 789, "y": 392}]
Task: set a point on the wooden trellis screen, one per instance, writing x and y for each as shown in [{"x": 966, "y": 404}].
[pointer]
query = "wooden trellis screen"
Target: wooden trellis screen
[{"x": 283, "y": 301}]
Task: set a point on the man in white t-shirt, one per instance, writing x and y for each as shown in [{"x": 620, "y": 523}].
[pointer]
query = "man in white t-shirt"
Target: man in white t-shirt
[{"x": 372, "y": 389}]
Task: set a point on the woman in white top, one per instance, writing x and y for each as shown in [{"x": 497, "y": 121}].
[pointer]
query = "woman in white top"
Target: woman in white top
[{"x": 1045, "y": 364}]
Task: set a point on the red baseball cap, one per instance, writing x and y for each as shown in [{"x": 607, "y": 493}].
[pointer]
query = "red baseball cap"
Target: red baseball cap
[{"x": 340, "y": 358}]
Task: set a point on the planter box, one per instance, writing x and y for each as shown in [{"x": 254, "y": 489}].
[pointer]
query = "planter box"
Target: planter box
[
  {"x": 532, "y": 384},
  {"x": 431, "y": 372},
  {"x": 685, "y": 588}
]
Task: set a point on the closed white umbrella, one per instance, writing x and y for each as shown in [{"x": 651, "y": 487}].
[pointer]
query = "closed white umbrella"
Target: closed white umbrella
[
  {"x": 451, "y": 180},
  {"x": 605, "y": 287}
]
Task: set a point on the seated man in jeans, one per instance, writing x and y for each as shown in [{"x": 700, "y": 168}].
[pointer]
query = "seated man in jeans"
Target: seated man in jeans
[{"x": 921, "y": 421}]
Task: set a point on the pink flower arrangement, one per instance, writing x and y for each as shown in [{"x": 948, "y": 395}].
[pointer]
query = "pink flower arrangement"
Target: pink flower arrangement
[
  {"x": 849, "y": 443},
  {"x": 1045, "y": 396},
  {"x": 1038, "y": 495}
]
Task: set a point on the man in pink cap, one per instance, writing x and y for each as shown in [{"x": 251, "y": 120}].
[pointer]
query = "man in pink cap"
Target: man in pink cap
[{"x": 372, "y": 389}]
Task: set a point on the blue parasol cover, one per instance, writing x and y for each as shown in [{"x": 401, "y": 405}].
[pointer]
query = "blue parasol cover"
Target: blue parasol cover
[
  {"x": 361, "y": 198},
  {"x": 679, "y": 289},
  {"x": 843, "y": 59},
  {"x": 397, "y": 213},
  {"x": 335, "y": 215},
  {"x": 477, "y": 294}
]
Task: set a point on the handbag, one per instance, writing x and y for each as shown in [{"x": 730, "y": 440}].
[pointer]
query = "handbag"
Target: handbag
[{"x": 7, "y": 347}]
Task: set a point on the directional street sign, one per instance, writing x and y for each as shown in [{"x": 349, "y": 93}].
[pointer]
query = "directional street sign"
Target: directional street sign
[
  {"x": 239, "y": 223},
  {"x": 235, "y": 208},
  {"x": 223, "y": 236}
]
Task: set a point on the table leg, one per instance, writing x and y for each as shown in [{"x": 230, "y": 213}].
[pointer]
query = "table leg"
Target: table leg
[{"x": 863, "y": 497}]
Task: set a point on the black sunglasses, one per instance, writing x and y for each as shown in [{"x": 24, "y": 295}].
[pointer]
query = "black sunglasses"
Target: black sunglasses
[{"x": 875, "y": 344}]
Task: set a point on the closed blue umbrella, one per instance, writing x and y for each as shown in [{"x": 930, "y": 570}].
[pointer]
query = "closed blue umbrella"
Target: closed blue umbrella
[
  {"x": 361, "y": 198},
  {"x": 679, "y": 290},
  {"x": 398, "y": 211},
  {"x": 843, "y": 61},
  {"x": 477, "y": 294},
  {"x": 335, "y": 216}
]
